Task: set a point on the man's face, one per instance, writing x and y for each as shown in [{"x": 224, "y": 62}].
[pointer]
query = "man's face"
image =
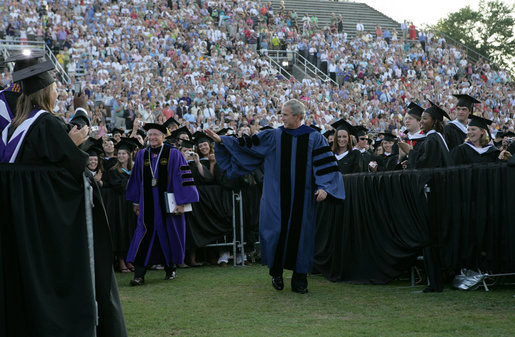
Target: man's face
[
  {"x": 290, "y": 121},
  {"x": 362, "y": 142},
  {"x": 155, "y": 138},
  {"x": 462, "y": 114}
]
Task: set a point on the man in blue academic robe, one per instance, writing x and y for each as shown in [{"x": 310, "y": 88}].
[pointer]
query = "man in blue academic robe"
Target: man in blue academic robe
[
  {"x": 299, "y": 168},
  {"x": 160, "y": 236}
]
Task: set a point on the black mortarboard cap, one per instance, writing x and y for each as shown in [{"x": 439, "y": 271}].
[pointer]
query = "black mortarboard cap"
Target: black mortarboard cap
[
  {"x": 160, "y": 127},
  {"x": 180, "y": 131},
  {"x": 136, "y": 142},
  {"x": 32, "y": 70},
  {"x": 360, "y": 130},
  {"x": 509, "y": 134},
  {"x": 316, "y": 128},
  {"x": 466, "y": 101},
  {"x": 93, "y": 146},
  {"x": 225, "y": 132},
  {"x": 328, "y": 133},
  {"x": 126, "y": 144},
  {"x": 436, "y": 112},
  {"x": 187, "y": 144},
  {"x": 142, "y": 133},
  {"x": 116, "y": 130},
  {"x": 201, "y": 137},
  {"x": 388, "y": 136},
  {"x": 480, "y": 122},
  {"x": 415, "y": 110},
  {"x": 170, "y": 121},
  {"x": 342, "y": 124}
]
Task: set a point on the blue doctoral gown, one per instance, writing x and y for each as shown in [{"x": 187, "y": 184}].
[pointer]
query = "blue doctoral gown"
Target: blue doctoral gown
[
  {"x": 297, "y": 162},
  {"x": 160, "y": 236}
]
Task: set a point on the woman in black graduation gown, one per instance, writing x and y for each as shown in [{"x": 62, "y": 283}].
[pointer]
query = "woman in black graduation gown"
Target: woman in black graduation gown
[
  {"x": 200, "y": 169},
  {"x": 49, "y": 141},
  {"x": 122, "y": 219},
  {"x": 477, "y": 147},
  {"x": 348, "y": 159},
  {"x": 433, "y": 152}
]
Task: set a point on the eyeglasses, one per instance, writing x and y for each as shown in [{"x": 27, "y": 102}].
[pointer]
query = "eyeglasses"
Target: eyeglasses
[{"x": 362, "y": 138}]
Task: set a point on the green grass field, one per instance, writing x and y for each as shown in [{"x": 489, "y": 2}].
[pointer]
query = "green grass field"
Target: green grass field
[{"x": 240, "y": 301}]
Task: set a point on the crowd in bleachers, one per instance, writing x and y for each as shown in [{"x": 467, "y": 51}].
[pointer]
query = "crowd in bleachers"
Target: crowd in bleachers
[{"x": 140, "y": 59}]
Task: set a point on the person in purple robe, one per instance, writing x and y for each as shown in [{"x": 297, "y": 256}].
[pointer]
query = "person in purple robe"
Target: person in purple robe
[
  {"x": 160, "y": 236},
  {"x": 299, "y": 169}
]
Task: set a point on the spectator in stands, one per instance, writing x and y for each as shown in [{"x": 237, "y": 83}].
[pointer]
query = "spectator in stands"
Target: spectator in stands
[
  {"x": 360, "y": 28},
  {"x": 412, "y": 32}
]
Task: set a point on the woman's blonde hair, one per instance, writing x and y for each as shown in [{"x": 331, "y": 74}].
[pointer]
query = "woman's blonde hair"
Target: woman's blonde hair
[{"x": 27, "y": 103}]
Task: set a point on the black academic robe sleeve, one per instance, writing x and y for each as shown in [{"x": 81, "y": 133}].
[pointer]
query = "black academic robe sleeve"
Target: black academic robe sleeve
[
  {"x": 352, "y": 163},
  {"x": 453, "y": 136},
  {"x": 431, "y": 154},
  {"x": 465, "y": 155},
  {"x": 47, "y": 142},
  {"x": 206, "y": 179},
  {"x": 511, "y": 148},
  {"x": 387, "y": 163}
]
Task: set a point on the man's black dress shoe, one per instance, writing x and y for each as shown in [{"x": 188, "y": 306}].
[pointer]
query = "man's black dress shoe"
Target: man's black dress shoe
[
  {"x": 277, "y": 282},
  {"x": 299, "y": 283},
  {"x": 137, "y": 281}
]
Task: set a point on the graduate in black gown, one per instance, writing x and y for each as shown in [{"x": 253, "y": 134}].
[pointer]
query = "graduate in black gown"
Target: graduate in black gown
[
  {"x": 122, "y": 219},
  {"x": 433, "y": 153},
  {"x": 477, "y": 147},
  {"x": 362, "y": 145},
  {"x": 413, "y": 136},
  {"x": 388, "y": 160},
  {"x": 455, "y": 131},
  {"x": 348, "y": 159},
  {"x": 109, "y": 159},
  {"x": 54, "y": 304}
]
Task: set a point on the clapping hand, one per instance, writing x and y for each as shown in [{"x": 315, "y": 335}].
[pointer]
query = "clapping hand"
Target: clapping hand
[{"x": 79, "y": 136}]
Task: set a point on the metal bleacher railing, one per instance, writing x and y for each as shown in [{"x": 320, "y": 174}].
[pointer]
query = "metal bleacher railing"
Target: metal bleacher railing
[{"x": 7, "y": 46}]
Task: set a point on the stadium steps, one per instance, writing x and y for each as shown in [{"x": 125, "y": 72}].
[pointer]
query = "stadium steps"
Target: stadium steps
[{"x": 352, "y": 13}]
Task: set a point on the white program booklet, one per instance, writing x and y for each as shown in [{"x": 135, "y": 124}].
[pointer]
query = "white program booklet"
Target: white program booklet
[{"x": 170, "y": 203}]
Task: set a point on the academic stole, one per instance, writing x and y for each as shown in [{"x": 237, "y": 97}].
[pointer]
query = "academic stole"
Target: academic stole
[{"x": 148, "y": 199}]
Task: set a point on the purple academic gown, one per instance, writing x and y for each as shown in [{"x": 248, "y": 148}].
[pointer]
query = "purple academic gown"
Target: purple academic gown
[{"x": 165, "y": 238}]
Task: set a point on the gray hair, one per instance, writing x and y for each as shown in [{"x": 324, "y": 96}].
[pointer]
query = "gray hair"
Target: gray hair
[{"x": 296, "y": 107}]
